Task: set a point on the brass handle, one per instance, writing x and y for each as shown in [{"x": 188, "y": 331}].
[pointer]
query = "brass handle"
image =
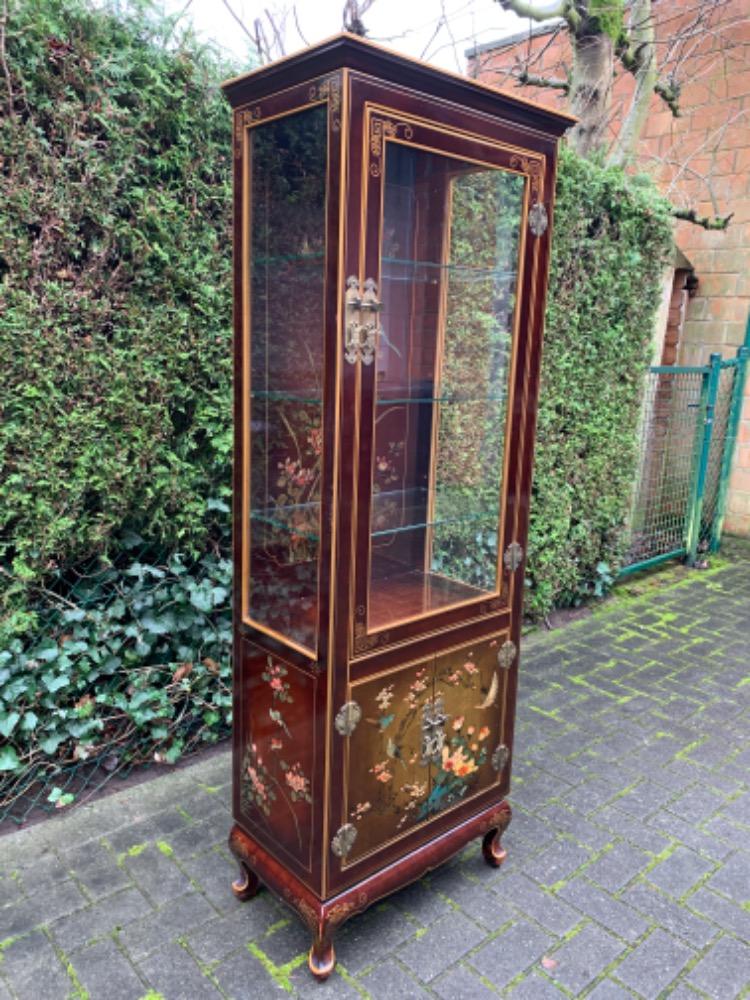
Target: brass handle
[
  {"x": 433, "y": 730},
  {"x": 360, "y": 339}
]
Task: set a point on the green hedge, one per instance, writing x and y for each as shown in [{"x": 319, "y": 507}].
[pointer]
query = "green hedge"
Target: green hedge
[
  {"x": 114, "y": 288},
  {"x": 612, "y": 238}
]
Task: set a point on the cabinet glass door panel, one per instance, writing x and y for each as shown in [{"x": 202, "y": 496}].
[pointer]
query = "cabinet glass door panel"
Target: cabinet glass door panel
[
  {"x": 448, "y": 274},
  {"x": 285, "y": 315}
]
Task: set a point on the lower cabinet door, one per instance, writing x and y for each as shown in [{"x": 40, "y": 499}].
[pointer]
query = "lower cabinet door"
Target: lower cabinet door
[
  {"x": 388, "y": 776},
  {"x": 428, "y": 737},
  {"x": 471, "y": 692}
]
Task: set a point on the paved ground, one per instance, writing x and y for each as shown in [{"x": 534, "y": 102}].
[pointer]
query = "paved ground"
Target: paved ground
[{"x": 629, "y": 853}]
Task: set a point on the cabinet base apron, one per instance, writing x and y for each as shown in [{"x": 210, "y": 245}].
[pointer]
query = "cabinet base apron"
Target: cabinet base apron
[{"x": 323, "y": 917}]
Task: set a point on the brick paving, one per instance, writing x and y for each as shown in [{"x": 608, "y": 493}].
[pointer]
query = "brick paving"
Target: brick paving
[{"x": 628, "y": 872}]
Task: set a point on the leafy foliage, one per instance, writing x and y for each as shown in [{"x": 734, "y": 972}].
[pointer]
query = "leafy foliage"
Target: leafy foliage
[
  {"x": 611, "y": 241},
  {"x": 136, "y": 658},
  {"x": 114, "y": 288}
]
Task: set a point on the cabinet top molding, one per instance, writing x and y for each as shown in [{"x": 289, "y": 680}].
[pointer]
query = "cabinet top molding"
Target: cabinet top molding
[{"x": 347, "y": 51}]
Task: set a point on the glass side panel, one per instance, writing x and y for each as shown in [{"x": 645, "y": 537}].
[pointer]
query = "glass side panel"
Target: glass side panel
[
  {"x": 286, "y": 281},
  {"x": 448, "y": 272}
]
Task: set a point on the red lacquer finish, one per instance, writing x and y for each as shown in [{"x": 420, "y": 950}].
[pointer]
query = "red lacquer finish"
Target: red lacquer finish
[
  {"x": 323, "y": 917},
  {"x": 391, "y": 242}
]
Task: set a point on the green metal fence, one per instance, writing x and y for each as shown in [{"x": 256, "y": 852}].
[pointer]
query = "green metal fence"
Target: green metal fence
[{"x": 688, "y": 431}]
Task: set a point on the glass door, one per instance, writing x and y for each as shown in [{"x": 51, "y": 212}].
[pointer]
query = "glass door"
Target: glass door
[{"x": 445, "y": 271}]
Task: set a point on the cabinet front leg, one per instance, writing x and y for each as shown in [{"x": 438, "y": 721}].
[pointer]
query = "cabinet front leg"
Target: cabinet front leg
[
  {"x": 322, "y": 957},
  {"x": 493, "y": 851},
  {"x": 247, "y": 885}
]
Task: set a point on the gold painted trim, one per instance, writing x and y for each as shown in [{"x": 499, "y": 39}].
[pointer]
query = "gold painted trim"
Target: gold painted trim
[
  {"x": 477, "y": 84},
  {"x": 451, "y": 627},
  {"x": 343, "y": 139},
  {"x": 527, "y": 368},
  {"x": 244, "y": 122},
  {"x": 410, "y": 118},
  {"x": 529, "y": 166}
]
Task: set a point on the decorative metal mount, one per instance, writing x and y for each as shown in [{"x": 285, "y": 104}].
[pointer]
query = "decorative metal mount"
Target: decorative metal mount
[
  {"x": 506, "y": 654},
  {"x": 500, "y": 758},
  {"x": 380, "y": 130},
  {"x": 347, "y": 718},
  {"x": 538, "y": 221},
  {"x": 433, "y": 731},
  {"x": 343, "y": 841},
  {"x": 361, "y": 336},
  {"x": 513, "y": 557},
  {"x": 330, "y": 90}
]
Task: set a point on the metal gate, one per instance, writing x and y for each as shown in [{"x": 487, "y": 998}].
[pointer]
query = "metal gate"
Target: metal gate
[{"x": 688, "y": 430}]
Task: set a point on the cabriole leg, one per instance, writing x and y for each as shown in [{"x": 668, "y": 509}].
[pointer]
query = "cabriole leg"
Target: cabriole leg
[
  {"x": 493, "y": 851},
  {"x": 247, "y": 885},
  {"x": 322, "y": 957}
]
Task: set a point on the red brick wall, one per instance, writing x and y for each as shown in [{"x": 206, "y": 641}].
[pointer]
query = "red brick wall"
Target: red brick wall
[{"x": 703, "y": 153}]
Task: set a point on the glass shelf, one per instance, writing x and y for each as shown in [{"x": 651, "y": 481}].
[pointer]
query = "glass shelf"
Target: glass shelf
[
  {"x": 407, "y": 401},
  {"x": 289, "y": 258},
  {"x": 434, "y": 268},
  {"x": 300, "y": 520},
  {"x": 409, "y": 508},
  {"x": 281, "y": 396}
]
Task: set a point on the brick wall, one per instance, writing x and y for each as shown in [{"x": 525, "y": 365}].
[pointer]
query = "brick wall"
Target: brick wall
[{"x": 700, "y": 160}]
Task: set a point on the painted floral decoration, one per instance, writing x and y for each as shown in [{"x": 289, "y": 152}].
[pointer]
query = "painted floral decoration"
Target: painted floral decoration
[{"x": 275, "y": 780}]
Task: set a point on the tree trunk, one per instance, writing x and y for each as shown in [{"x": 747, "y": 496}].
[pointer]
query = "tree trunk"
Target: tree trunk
[
  {"x": 590, "y": 89},
  {"x": 641, "y": 60}
]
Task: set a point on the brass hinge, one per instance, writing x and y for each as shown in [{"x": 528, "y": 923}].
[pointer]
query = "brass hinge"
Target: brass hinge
[
  {"x": 347, "y": 718},
  {"x": 513, "y": 557},
  {"x": 506, "y": 654},
  {"x": 500, "y": 757},
  {"x": 538, "y": 220},
  {"x": 343, "y": 840}
]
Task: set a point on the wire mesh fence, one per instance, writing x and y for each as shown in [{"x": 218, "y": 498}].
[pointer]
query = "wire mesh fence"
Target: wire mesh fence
[
  {"x": 661, "y": 498},
  {"x": 688, "y": 430}
]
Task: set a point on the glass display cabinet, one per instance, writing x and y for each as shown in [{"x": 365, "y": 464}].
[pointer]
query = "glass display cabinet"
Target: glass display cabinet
[{"x": 391, "y": 230}]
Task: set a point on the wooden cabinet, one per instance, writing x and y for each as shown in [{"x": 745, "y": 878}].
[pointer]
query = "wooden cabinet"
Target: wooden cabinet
[{"x": 391, "y": 231}]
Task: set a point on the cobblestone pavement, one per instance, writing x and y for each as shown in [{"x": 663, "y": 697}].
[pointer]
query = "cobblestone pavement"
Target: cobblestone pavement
[{"x": 629, "y": 852}]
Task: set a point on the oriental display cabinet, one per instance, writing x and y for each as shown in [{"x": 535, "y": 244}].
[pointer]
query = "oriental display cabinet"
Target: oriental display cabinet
[{"x": 391, "y": 229}]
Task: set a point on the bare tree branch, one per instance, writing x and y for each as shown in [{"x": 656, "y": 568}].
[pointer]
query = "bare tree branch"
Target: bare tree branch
[
  {"x": 705, "y": 221},
  {"x": 353, "y": 16},
  {"x": 297, "y": 25},
  {"x": 639, "y": 57},
  {"x": 669, "y": 91},
  {"x": 526, "y": 79},
  {"x": 276, "y": 33},
  {"x": 537, "y": 12},
  {"x": 239, "y": 21}
]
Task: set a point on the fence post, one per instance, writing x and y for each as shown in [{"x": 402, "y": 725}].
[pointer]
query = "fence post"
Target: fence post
[
  {"x": 733, "y": 423},
  {"x": 709, "y": 392}
]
